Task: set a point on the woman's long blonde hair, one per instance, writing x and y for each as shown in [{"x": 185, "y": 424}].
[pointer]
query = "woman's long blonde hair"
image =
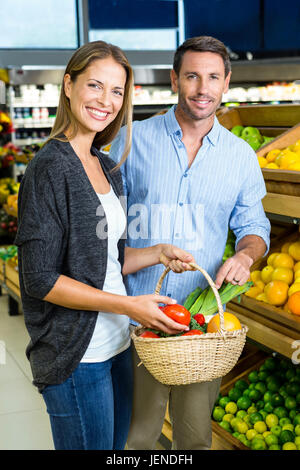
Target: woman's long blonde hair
[{"x": 78, "y": 63}]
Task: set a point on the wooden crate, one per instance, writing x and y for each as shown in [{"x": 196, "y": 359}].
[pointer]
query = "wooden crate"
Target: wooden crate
[
  {"x": 2, "y": 270},
  {"x": 222, "y": 440},
  {"x": 271, "y": 120},
  {"x": 12, "y": 277},
  {"x": 269, "y": 325}
]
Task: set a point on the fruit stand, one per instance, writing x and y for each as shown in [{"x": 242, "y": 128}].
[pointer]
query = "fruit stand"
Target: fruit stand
[{"x": 273, "y": 331}]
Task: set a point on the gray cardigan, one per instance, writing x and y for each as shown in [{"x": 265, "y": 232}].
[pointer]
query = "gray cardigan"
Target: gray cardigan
[{"x": 57, "y": 235}]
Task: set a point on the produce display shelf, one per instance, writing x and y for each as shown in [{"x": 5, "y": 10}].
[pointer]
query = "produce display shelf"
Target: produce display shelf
[{"x": 250, "y": 359}]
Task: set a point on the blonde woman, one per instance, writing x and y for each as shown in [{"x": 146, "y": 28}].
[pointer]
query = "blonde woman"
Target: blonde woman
[{"x": 72, "y": 257}]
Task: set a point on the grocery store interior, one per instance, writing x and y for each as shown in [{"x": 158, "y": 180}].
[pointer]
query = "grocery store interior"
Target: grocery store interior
[{"x": 259, "y": 403}]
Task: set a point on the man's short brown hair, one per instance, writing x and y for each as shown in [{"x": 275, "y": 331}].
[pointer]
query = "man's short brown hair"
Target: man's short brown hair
[{"x": 202, "y": 44}]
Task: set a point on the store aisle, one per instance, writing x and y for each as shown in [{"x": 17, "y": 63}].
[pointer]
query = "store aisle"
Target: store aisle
[{"x": 24, "y": 424}]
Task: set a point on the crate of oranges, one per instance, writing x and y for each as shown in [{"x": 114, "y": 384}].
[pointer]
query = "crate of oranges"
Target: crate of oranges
[{"x": 276, "y": 284}]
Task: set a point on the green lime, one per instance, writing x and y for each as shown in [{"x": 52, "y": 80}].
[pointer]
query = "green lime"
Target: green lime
[
  {"x": 262, "y": 375},
  {"x": 271, "y": 440},
  {"x": 228, "y": 417},
  {"x": 282, "y": 391},
  {"x": 254, "y": 417},
  {"x": 247, "y": 420},
  {"x": 260, "y": 427},
  {"x": 260, "y": 404},
  {"x": 264, "y": 414},
  {"x": 231, "y": 407},
  {"x": 293, "y": 388},
  {"x": 234, "y": 394},
  {"x": 275, "y": 447},
  {"x": 243, "y": 403},
  {"x": 261, "y": 387},
  {"x": 297, "y": 429},
  {"x": 290, "y": 403},
  {"x": 298, "y": 398},
  {"x": 246, "y": 392},
  {"x": 276, "y": 430},
  {"x": 267, "y": 396},
  {"x": 289, "y": 446},
  {"x": 241, "y": 384},
  {"x": 288, "y": 426},
  {"x": 218, "y": 413},
  {"x": 241, "y": 414},
  {"x": 271, "y": 420},
  {"x": 292, "y": 414},
  {"x": 253, "y": 376},
  {"x": 270, "y": 363},
  {"x": 242, "y": 427},
  {"x": 223, "y": 401},
  {"x": 254, "y": 395},
  {"x": 225, "y": 425},
  {"x": 277, "y": 400},
  {"x": 252, "y": 409},
  {"x": 284, "y": 421},
  {"x": 280, "y": 412},
  {"x": 297, "y": 440},
  {"x": 285, "y": 364},
  {"x": 251, "y": 386},
  {"x": 258, "y": 444},
  {"x": 273, "y": 384},
  {"x": 234, "y": 422},
  {"x": 290, "y": 374},
  {"x": 296, "y": 420},
  {"x": 286, "y": 436},
  {"x": 236, "y": 434},
  {"x": 268, "y": 407},
  {"x": 250, "y": 434}
]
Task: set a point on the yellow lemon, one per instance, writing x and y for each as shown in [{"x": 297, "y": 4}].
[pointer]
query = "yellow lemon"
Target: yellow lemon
[
  {"x": 294, "y": 166},
  {"x": 271, "y": 258},
  {"x": 278, "y": 159},
  {"x": 262, "y": 297},
  {"x": 285, "y": 247},
  {"x": 253, "y": 292},
  {"x": 272, "y": 166},
  {"x": 262, "y": 162},
  {"x": 283, "y": 274},
  {"x": 288, "y": 159},
  {"x": 266, "y": 274},
  {"x": 270, "y": 157},
  {"x": 294, "y": 250},
  {"x": 255, "y": 276},
  {"x": 284, "y": 260},
  {"x": 294, "y": 288},
  {"x": 297, "y": 266},
  {"x": 260, "y": 284},
  {"x": 297, "y": 276}
]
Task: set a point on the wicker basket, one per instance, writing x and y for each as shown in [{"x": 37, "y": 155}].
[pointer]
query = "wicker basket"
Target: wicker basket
[{"x": 182, "y": 360}]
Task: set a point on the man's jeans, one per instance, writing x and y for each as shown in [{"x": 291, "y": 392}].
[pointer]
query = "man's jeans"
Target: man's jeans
[{"x": 92, "y": 408}]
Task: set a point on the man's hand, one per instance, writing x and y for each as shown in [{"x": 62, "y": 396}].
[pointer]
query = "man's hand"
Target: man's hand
[
  {"x": 235, "y": 270},
  {"x": 175, "y": 258}
]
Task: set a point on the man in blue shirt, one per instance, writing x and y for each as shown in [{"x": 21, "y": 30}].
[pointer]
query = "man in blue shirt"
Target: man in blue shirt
[{"x": 188, "y": 179}]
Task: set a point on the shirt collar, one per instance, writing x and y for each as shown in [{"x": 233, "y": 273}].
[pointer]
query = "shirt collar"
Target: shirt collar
[{"x": 173, "y": 127}]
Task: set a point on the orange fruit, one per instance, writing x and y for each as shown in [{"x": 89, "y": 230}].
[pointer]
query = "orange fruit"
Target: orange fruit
[
  {"x": 231, "y": 323},
  {"x": 294, "y": 250},
  {"x": 277, "y": 292},
  {"x": 283, "y": 274},
  {"x": 294, "y": 288},
  {"x": 285, "y": 247},
  {"x": 294, "y": 303},
  {"x": 271, "y": 258},
  {"x": 254, "y": 291},
  {"x": 283, "y": 260},
  {"x": 266, "y": 274}
]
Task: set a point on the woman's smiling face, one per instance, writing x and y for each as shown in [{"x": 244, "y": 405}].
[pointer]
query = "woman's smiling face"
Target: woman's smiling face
[{"x": 96, "y": 96}]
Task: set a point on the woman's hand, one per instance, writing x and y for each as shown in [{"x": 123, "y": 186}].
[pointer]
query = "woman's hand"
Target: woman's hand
[
  {"x": 144, "y": 310},
  {"x": 175, "y": 258}
]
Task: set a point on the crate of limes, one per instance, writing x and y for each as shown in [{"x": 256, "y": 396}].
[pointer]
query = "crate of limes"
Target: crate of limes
[{"x": 262, "y": 409}]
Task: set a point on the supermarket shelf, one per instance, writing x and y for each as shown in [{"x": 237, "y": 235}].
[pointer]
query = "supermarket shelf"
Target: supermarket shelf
[{"x": 282, "y": 204}]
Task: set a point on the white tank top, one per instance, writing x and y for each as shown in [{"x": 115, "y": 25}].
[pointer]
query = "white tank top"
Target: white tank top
[{"x": 111, "y": 334}]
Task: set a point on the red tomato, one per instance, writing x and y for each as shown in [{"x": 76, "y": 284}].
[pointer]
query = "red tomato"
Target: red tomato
[
  {"x": 178, "y": 313},
  {"x": 200, "y": 319},
  {"x": 193, "y": 332},
  {"x": 149, "y": 334}
]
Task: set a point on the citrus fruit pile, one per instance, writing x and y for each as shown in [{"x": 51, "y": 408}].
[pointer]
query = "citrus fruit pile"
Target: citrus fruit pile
[
  {"x": 278, "y": 283},
  {"x": 263, "y": 410},
  {"x": 283, "y": 159}
]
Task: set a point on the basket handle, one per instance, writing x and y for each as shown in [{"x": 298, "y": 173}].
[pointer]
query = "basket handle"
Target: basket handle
[{"x": 210, "y": 282}]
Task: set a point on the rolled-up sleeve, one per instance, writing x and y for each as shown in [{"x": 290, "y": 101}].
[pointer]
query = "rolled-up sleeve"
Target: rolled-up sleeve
[
  {"x": 248, "y": 216},
  {"x": 40, "y": 233}
]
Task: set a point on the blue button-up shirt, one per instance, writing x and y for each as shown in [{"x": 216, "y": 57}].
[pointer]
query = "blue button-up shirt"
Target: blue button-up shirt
[{"x": 168, "y": 202}]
